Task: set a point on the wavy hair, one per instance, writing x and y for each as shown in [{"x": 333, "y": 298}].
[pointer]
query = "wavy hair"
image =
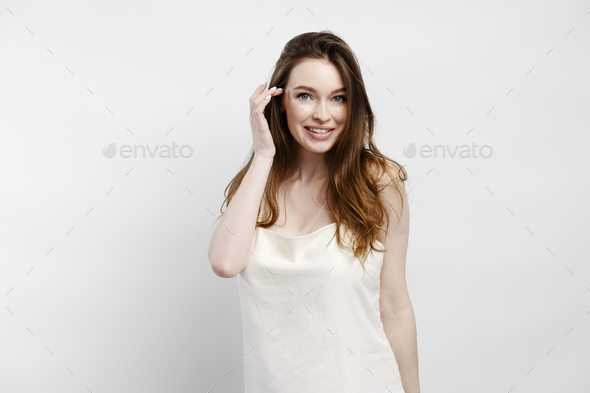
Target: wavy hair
[{"x": 352, "y": 192}]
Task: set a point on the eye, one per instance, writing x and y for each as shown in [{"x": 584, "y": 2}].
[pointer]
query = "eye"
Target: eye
[{"x": 342, "y": 98}]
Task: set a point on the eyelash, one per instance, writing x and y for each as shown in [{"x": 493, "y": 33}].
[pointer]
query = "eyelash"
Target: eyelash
[{"x": 343, "y": 97}]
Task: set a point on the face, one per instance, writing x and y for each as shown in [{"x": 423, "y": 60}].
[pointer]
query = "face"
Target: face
[{"x": 314, "y": 97}]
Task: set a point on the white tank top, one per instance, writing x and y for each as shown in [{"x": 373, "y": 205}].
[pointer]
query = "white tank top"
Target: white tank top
[{"x": 311, "y": 320}]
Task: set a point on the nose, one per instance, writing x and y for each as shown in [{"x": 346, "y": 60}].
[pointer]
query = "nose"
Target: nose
[{"x": 321, "y": 113}]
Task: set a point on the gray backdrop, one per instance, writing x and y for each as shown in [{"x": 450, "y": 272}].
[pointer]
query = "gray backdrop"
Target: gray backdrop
[{"x": 106, "y": 285}]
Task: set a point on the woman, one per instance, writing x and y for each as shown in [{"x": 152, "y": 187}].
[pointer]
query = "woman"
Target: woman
[{"x": 319, "y": 316}]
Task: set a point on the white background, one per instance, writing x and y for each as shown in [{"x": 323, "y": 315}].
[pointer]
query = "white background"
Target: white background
[{"x": 105, "y": 282}]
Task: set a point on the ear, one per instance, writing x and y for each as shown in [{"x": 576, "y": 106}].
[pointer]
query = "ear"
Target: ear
[{"x": 282, "y": 110}]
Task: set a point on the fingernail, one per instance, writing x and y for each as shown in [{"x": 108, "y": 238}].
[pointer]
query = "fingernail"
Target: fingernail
[
  {"x": 272, "y": 88},
  {"x": 280, "y": 88}
]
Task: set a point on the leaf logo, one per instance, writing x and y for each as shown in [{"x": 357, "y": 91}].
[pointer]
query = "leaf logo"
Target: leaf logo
[
  {"x": 110, "y": 151},
  {"x": 411, "y": 150}
]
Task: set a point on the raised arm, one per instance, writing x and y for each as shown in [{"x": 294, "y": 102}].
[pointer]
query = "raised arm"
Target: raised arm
[{"x": 228, "y": 250}]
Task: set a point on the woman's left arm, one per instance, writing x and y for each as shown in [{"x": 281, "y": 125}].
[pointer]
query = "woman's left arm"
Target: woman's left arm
[
  {"x": 397, "y": 313},
  {"x": 400, "y": 329}
]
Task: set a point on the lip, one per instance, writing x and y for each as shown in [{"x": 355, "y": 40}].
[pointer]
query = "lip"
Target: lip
[
  {"x": 320, "y": 137},
  {"x": 321, "y": 127}
]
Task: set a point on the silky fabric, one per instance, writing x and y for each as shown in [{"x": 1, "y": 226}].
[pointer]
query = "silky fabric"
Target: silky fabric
[{"x": 311, "y": 319}]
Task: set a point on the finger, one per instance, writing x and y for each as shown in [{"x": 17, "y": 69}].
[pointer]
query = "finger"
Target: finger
[
  {"x": 254, "y": 102},
  {"x": 264, "y": 96},
  {"x": 257, "y": 92},
  {"x": 262, "y": 104},
  {"x": 264, "y": 99}
]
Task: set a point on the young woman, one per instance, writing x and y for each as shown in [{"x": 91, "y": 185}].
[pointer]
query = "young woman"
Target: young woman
[{"x": 319, "y": 316}]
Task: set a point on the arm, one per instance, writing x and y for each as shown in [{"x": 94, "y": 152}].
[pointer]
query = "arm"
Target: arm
[
  {"x": 227, "y": 250},
  {"x": 397, "y": 313},
  {"x": 400, "y": 329}
]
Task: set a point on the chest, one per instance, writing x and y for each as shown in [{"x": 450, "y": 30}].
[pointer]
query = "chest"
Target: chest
[{"x": 301, "y": 211}]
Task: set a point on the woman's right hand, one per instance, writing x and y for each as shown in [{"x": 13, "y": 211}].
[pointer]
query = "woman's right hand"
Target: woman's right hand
[{"x": 263, "y": 143}]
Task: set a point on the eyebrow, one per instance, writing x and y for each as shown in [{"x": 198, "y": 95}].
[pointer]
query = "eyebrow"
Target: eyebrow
[{"x": 315, "y": 91}]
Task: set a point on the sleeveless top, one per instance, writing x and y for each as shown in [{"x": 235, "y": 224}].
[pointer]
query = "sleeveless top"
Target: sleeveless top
[{"x": 311, "y": 320}]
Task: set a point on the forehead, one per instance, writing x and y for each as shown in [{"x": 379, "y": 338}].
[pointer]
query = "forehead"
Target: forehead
[{"x": 318, "y": 73}]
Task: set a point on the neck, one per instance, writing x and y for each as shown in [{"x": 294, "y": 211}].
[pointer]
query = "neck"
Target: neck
[{"x": 311, "y": 168}]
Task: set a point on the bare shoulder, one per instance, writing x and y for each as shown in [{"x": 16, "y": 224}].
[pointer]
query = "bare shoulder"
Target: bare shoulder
[
  {"x": 392, "y": 193},
  {"x": 388, "y": 184},
  {"x": 383, "y": 177}
]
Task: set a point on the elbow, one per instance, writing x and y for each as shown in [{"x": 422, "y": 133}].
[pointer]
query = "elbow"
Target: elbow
[
  {"x": 223, "y": 266},
  {"x": 221, "y": 269},
  {"x": 389, "y": 312},
  {"x": 218, "y": 266}
]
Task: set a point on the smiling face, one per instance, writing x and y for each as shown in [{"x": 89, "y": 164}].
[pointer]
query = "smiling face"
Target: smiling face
[{"x": 315, "y": 97}]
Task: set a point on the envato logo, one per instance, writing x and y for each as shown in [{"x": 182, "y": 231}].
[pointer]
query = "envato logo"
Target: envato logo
[
  {"x": 462, "y": 151},
  {"x": 163, "y": 151}
]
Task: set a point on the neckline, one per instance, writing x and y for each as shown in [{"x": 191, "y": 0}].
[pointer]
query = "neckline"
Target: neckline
[
  {"x": 309, "y": 234},
  {"x": 297, "y": 237}
]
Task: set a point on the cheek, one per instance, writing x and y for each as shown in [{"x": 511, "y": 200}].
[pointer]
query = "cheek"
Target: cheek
[
  {"x": 342, "y": 115},
  {"x": 297, "y": 112}
]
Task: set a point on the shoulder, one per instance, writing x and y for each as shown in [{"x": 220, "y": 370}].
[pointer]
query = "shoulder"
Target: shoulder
[
  {"x": 392, "y": 193},
  {"x": 388, "y": 182}
]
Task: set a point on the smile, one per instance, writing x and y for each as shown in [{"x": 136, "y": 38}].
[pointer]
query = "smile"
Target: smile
[{"x": 319, "y": 133}]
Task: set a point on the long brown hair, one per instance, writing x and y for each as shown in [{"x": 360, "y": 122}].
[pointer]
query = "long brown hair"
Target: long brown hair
[{"x": 352, "y": 187}]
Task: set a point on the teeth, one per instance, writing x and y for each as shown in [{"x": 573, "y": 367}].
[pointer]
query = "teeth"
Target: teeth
[{"x": 318, "y": 130}]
